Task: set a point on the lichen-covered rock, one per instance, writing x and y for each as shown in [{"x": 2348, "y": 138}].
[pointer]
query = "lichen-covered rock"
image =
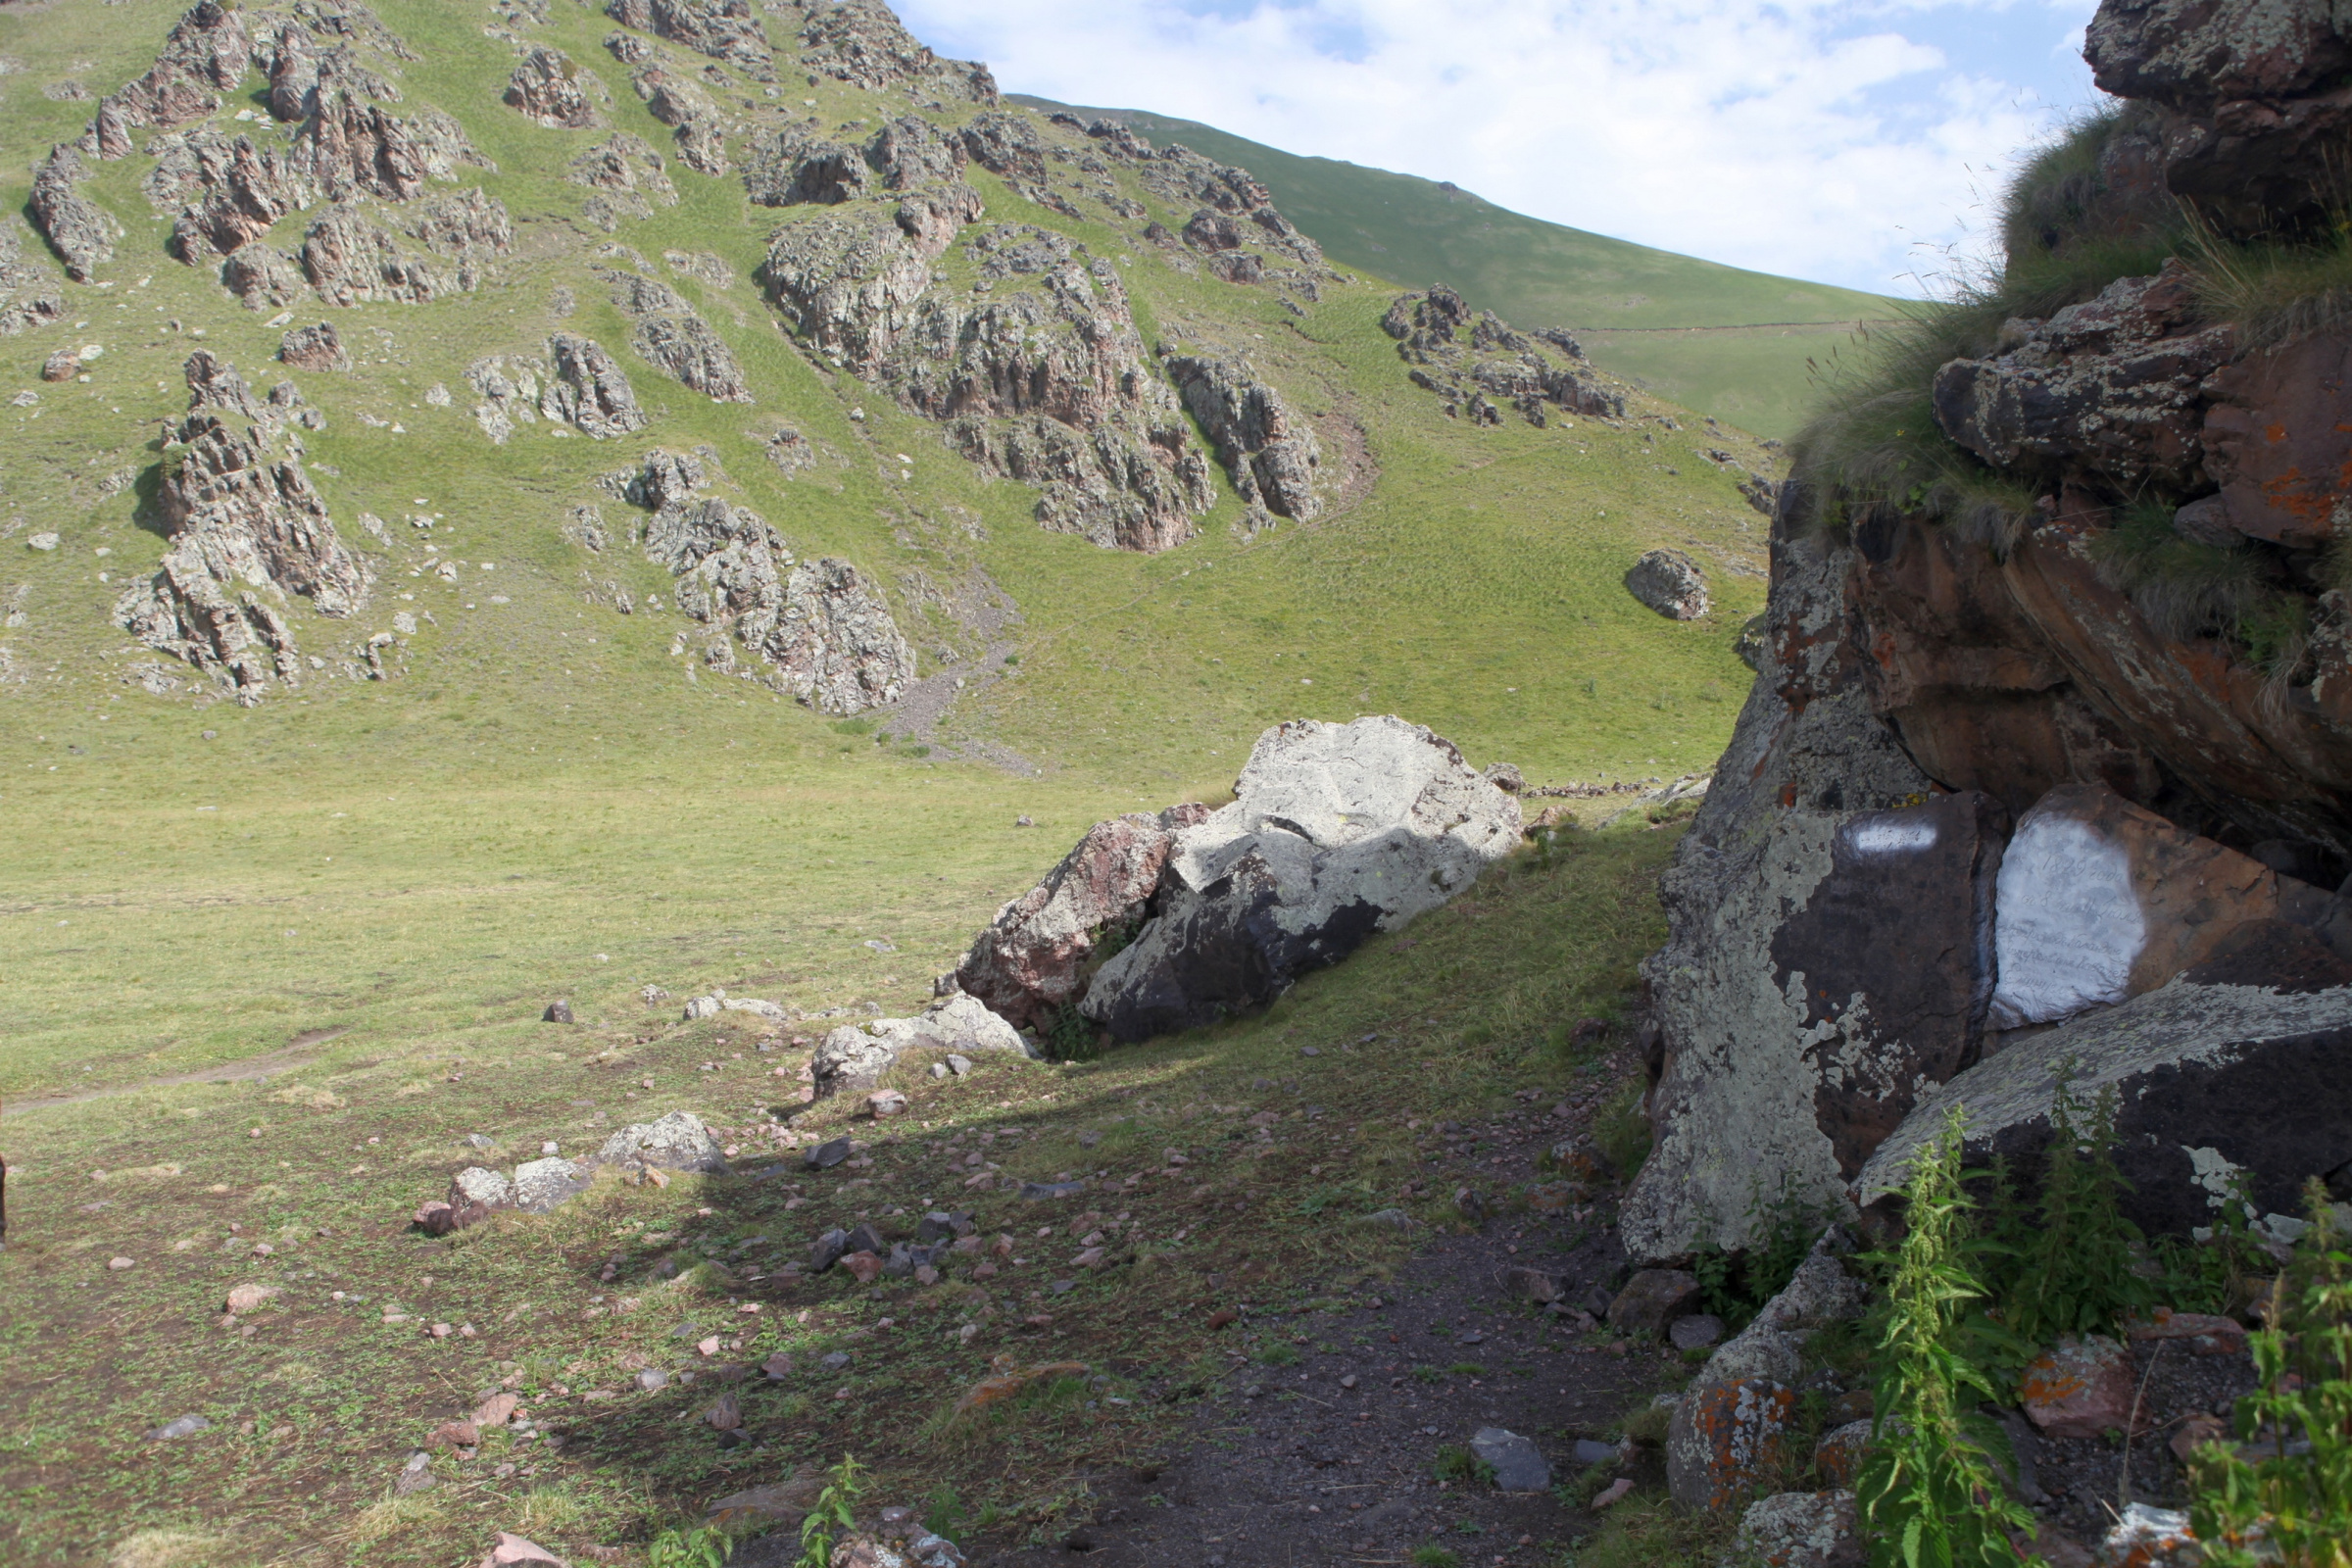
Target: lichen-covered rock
[
  {"x": 77, "y": 228},
  {"x": 2240, "y": 1069},
  {"x": 1726, "y": 1438},
  {"x": 1849, "y": 965},
  {"x": 855, "y": 1056},
  {"x": 543, "y": 1185},
  {"x": 1773, "y": 1345},
  {"x": 2111, "y": 385},
  {"x": 2196, "y": 53},
  {"x": 1670, "y": 584},
  {"x": 1336, "y": 831},
  {"x": 863, "y": 43},
  {"x": 1045, "y": 384},
  {"x": 1269, "y": 451},
  {"x": 2277, "y": 439},
  {"x": 678, "y": 1141},
  {"x": 549, "y": 87},
  {"x": 724, "y": 30},
  {"x": 1032, "y": 961},
  {"x": 1803, "y": 1530},
  {"x": 671, "y": 337},
  {"x": 315, "y": 348},
  {"x": 2079, "y": 1388},
  {"x": 246, "y": 529},
  {"x": 837, "y": 647}
]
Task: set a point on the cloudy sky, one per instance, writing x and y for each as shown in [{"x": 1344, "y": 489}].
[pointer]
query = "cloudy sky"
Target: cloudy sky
[{"x": 1849, "y": 141}]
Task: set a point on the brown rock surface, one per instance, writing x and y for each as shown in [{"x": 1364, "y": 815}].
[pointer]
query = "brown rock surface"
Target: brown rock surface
[
  {"x": 2079, "y": 1389},
  {"x": 2278, "y": 441},
  {"x": 1726, "y": 1438}
]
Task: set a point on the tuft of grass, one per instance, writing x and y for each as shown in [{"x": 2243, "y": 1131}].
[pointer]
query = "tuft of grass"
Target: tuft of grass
[
  {"x": 1457, "y": 1465},
  {"x": 1429, "y": 1554},
  {"x": 2182, "y": 588},
  {"x": 167, "y": 1549},
  {"x": 1621, "y": 1133}
]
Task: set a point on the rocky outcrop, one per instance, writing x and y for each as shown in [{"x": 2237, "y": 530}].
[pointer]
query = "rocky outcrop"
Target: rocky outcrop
[
  {"x": 681, "y": 102},
  {"x": 587, "y": 389},
  {"x": 1670, "y": 584},
  {"x": 1269, "y": 451},
  {"x": 2247, "y": 105},
  {"x": 723, "y": 29},
  {"x": 315, "y": 348},
  {"x": 1499, "y": 367},
  {"x": 821, "y": 628},
  {"x": 2111, "y": 386},
  {"x": 78, "y": 229},
  {"x": 578, "y": 384},
  {"x": 348, "y": 147},
  {"x": 1036, "y": 958},
  {"x": 855, "y": 1056},
  {"x": 1336, "y": 831},
  {"x": 628, "y": 179},
  {"x": 348, "y": 261},
  {"x": 236, "y": 191},
  {"x": 1007, "y": 144},
  {"x": 207, "y": 54},
  {"x": 1045, "y": 382},
  {"x": 29, "y": 294},
  {"x": 305, "y": 75},
  {"x": 549, "y": 87},
  {"x": 246, "y": 530},
  {"x": 863, "y": 43},
  {"x": 2236, "y": 1074},
  {"x": 671, "y": 337}
]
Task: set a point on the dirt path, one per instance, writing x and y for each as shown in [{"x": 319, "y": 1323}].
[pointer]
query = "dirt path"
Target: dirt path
[
  {"x": 1288, "y": 1465},
  {"x": 297, "y": 1054}
]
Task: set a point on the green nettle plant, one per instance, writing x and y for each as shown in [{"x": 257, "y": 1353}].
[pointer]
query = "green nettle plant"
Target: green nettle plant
[
  {"x": 834, "y": 1516},
  {"x": 700, "y": 1548},
  {"x": 2285, "y": 1498},
  {"x": 2077, "y": 1269},
  {"x": 1930, "y": 1493}
]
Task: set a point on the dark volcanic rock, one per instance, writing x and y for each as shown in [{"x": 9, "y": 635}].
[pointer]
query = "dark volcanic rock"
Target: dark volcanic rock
[
  {"x": 1856, "y": 965},
  {"x": 246, "y": 530},
  {"x": 78, "y": 229},
  {"x": 2111, "y": 385},
  {"x": 2242, "y": 1065}
]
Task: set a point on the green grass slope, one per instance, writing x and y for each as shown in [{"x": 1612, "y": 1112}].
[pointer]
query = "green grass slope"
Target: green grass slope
[
  {"x": 372, "y": 889},
  {"x": 1640, "y": 310}
]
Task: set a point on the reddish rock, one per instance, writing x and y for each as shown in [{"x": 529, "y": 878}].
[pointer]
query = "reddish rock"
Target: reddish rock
[
  {"x": 1724, "y": 1438},
  {"x": 2200, "y": 1332},
  {"x": 62, "y": 365},
  {"x": 2196, "y": 1432},
  {"x": 1654, "y": 1299},
  {"x": 865, "y": 1267},
  {"x": 1033, "y": 959},
  {"x": 320, "y": 348},
  {"x": 2081, "y": 1388},
  {"x": 496, "y": 1410},
  {"x": 513, "y": 1550},
  {"x": 249, "y": 1298},
  {"x": 455, "y": 1435},
  {"x": 1838, "y": 1457},
  {"x": 885, "y": 1102},
  {"x": 726, "y": 1415},
  {"x": 2278, "y": 441},
  {"x": 548, "y": 87}
]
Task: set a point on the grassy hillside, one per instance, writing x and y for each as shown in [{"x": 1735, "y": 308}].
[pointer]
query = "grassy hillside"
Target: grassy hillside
[
  {"x": 1618, "y": 294},
  {"x": 371, "y": 889}
]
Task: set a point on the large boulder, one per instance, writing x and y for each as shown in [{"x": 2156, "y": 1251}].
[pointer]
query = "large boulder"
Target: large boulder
[
  {"x": 855, "y": 1056},
  {"x": 678, "y": 1141},
  {"x": 1033, "y": 959},
  {"x": 1336, "y": 831},
  {"x": 1773, "y": 1345},
  {"x": 1852, "y": 965},
  {"x": 1670, "y": 584},
  {"x": 2238, "y": 1070},
  {"x": 542, "y": 1185}
]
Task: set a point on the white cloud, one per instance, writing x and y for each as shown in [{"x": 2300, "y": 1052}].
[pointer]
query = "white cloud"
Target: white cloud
[{"x": 1845, "y": 140}]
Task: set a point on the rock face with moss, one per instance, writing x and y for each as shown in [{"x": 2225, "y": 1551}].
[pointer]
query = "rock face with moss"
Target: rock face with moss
[{"x": 2078, "y": 549}]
